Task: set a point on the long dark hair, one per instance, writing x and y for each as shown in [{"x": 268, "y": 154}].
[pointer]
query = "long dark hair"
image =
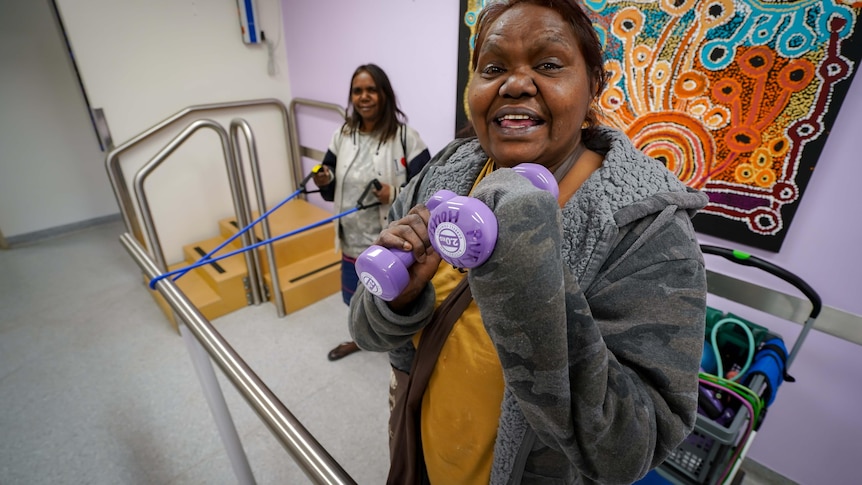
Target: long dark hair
[
  {"x": 585, "y": 34},
  {"x": 391, "y": 115}
]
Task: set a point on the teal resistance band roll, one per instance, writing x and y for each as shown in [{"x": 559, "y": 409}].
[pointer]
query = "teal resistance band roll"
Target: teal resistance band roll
[{"x": 714, "y": 342}]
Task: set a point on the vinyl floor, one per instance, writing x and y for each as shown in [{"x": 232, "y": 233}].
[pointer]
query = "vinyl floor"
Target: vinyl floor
[{"x": 96, "y": 387}]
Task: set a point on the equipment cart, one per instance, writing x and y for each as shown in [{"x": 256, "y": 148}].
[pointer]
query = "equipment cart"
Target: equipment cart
[{"x": 752, "y": 362}]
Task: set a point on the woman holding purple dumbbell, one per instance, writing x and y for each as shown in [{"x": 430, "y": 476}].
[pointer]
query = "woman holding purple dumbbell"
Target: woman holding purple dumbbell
[
  {"x": 374, "y": 144},
  {"x": 570, "y": 354}
]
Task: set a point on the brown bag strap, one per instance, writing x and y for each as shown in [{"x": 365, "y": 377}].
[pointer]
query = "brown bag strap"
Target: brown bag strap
[{"x": 407, "y": 464}]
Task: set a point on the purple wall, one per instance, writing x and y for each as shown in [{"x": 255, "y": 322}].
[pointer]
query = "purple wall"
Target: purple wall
[
  {"x": 415, "y": 42},
  {"x": 822, "y": 244},
  {"x": 812, "y": 432}
]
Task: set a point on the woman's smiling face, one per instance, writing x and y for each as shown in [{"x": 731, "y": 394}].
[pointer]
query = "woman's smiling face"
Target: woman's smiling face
[
  {"x": 530, "y": 91},
  {"x": 366, "y": 99}
]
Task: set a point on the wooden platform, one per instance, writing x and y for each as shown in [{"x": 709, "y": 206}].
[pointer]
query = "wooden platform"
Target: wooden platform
[{"x": 308, "y": 267}]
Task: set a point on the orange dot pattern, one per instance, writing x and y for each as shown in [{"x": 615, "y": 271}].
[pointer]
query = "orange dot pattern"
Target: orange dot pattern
[
  {"x": 727, "y": 93},
  {"x": 730, "y": 94}
]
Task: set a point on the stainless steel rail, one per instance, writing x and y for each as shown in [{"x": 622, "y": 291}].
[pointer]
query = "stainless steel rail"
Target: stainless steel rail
[
  {"x": 115, "y": 172},
  {"x": 832, "y": 321},
  {"x": 145, "y": 171},
  {"x": 314, "y": 460},
  {"x": 233, "y": 158},
  {"x": 298, "y": 151},
  {"x": 236, "y": 126}
]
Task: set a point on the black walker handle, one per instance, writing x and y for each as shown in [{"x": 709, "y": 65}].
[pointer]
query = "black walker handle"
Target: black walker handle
[{"x": 745, "y": 259}]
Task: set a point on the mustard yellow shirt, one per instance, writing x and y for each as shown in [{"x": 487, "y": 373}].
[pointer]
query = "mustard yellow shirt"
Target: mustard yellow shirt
[{"x": 461, "y": 405}]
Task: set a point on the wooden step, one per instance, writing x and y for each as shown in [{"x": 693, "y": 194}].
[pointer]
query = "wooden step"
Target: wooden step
[
  {"x": 308, "y": 281},
  {"x": 309, "y": 267},
  {"x": 197, "y": 290},
  {"x": 228, "y": 276},
  {"x": 293, "y": 215}
]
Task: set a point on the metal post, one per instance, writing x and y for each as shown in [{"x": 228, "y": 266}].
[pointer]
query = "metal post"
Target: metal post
[
  {"x": 308, "y": 453},
  {"x": 218, "y": 406}
]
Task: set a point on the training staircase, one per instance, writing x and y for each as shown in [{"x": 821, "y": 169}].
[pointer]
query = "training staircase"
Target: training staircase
[
  {"x": 303, "y": 258},
  {"x": 307, "y": 264}
]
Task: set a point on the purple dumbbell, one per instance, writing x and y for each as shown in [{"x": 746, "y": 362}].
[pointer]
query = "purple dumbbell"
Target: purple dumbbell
[
  {"x": 463, "y": 230},
  {"x": 383, "y": 271}
]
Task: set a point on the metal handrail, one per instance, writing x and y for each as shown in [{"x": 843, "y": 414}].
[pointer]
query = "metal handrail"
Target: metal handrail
[
  {"x": 308, "y": 453},
  {"x": 115, "y": 172},
  {"x": 238, "y": 186},
  {"x": 239, "y": 125},
  {"x": 148, "y": 168},
  {"x": 295, "y": 148}
]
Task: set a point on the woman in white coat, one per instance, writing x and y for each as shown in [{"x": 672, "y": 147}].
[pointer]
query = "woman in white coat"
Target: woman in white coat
[{"x": 374, "y": 143}]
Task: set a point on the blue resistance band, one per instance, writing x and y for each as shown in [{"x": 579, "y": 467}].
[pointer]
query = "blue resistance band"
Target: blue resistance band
[
  {"x": 206, "y": 257},
  {"x": 203, "y": 261}
]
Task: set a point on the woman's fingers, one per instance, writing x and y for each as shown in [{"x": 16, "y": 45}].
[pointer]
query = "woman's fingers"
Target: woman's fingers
[
  {"x": 384, "y": 195},
  {"x": 410, "y": 233},
  {"x": 322, "y": 176}
]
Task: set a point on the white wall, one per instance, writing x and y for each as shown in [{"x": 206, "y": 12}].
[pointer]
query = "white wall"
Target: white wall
[
  {"x": 51, "y": 168},
  {"x": 142, "y": 62}
]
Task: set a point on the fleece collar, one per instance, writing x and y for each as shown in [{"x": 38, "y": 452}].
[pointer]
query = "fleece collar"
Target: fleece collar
[{"x": 627, "y": 187}]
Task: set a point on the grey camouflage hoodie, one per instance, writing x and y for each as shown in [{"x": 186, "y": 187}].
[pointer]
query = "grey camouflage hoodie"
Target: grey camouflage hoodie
[{"x": 596, "y": 311}]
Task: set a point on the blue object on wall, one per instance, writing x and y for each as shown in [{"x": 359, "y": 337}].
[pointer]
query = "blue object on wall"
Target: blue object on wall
[{"x": 248, "y": 21}]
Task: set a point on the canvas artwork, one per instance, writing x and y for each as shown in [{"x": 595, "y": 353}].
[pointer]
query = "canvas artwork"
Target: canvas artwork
[{"x": 736, "y": 97}]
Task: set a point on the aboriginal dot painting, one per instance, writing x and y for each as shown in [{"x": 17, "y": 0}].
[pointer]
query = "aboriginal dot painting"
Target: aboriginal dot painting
[{"x": 736, "y": 97}]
